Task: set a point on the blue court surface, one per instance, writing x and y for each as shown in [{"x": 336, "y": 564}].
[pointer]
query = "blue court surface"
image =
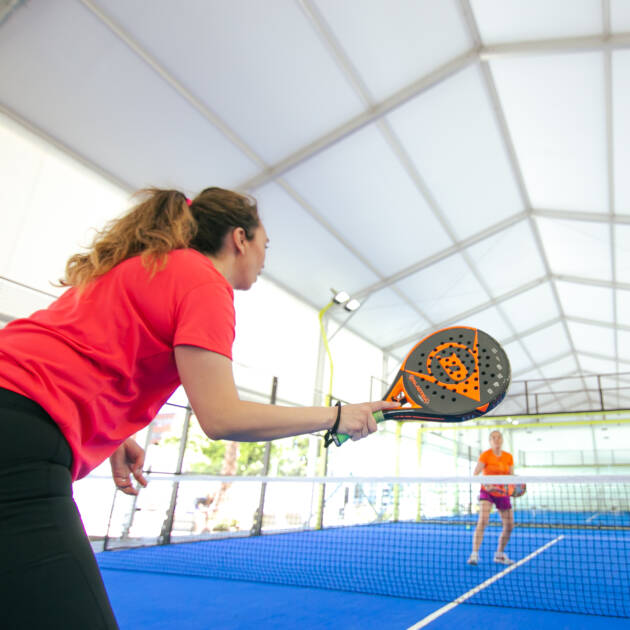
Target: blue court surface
[
  {"x": 149, "y": 601},
  {"x": 390, "y": 575}
]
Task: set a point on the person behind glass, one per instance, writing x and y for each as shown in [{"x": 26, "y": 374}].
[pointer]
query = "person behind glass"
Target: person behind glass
[
  {"x": 149, "y": 307},
  {"x": 494, "y": 461}
]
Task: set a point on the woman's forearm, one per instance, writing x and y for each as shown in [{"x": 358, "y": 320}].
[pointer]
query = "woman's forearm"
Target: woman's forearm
[{"x": 246, "y": 421}]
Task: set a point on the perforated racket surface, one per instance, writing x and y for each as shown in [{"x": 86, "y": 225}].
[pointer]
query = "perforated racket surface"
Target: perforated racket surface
[
  {"x": 454, "y": 374},
  {"x": 503, "y": 490}
]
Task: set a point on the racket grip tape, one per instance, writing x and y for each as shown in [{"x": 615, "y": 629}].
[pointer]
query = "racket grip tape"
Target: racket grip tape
[{"x": 340, "y": 438}]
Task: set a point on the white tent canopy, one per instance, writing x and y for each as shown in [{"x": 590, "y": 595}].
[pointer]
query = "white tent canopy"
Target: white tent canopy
[{"x": 452, "y": 162}]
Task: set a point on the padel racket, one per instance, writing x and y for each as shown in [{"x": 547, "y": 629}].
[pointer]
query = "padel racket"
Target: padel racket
[
  {"x": 454, "y": 374},
  {"x": 501, "y": 490}
]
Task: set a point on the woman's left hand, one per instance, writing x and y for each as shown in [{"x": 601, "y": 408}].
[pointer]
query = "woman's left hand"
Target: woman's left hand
[{"x": 128, "y": 460}]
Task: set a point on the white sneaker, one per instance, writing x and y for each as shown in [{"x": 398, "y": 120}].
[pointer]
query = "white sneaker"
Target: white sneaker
[
  {"x": 501, "y": 558},
  {"x": 474, "y": 558}
]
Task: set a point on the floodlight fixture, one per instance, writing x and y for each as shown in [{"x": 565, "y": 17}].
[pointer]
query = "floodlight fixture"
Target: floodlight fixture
[
  {"x": 352, "y": 305},
  {"x": 340, "y": 297}
]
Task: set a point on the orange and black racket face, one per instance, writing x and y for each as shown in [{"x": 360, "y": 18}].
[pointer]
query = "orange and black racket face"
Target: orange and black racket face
[{"x": 456, "y": 373}]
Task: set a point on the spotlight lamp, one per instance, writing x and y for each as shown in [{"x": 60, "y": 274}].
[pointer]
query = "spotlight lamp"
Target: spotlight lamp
[
  {"x": 340, "y": 297},
  {"x": 343, "y": 299}
]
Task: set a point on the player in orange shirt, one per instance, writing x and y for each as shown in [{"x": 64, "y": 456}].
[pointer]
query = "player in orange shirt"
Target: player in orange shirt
[{"x": 494, "y": 461}]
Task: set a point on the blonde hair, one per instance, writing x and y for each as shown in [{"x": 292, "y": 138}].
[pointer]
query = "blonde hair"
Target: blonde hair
[{"x": 163, "y": 221}]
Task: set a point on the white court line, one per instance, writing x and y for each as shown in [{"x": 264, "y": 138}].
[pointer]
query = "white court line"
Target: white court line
[{"x": 462, "y": 598}]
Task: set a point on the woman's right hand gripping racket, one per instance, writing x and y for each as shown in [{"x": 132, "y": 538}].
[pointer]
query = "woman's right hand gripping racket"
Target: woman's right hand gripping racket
[{"x": 454, "y": 374}]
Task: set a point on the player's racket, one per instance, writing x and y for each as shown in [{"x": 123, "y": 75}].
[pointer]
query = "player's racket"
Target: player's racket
[
  {"x": 510, "y": 490},
  {"x": 454, "y": 374},
  {"x": 517, "y": 490}
]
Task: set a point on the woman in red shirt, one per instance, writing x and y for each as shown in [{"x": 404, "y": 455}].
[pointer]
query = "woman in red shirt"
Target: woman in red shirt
[
  {"x": 494, "y": 461},
  {"x": 150, "y": 306}
]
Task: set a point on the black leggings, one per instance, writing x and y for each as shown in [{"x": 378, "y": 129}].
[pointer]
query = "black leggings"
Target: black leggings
[{"x": 49, "y": 578}]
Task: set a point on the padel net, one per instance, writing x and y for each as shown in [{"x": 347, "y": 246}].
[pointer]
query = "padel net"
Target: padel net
[{"x": 397, "y": 536}]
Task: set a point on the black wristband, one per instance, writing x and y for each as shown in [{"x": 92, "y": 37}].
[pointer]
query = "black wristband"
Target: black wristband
[{"x": 329, "y": 437}]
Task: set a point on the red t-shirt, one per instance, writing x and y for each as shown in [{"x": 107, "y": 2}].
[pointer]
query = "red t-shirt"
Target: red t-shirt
[{"x": 102, "y": 363}]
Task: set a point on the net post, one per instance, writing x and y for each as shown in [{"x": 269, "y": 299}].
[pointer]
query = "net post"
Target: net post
[
  {"x": 132, "y": 512},
  {"x": 419, "y": 461},
  {"x": 321, "y": 495},
  {"x": 257, "y": 527},
  {"x": 470, "y": 474},
  {"x": 323, "y": 471},
  {"x": 109, "y": 522},
  {"x": 526, "y": 399},
  {"x": 397, "y": 472},
  {"x": 167, "y": 526}
]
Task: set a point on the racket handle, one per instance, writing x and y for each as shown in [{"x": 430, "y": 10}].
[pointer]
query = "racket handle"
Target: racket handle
[{"x": 340, "y": 438}]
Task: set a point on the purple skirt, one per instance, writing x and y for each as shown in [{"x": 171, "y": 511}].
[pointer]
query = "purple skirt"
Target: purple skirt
[{"x": 502, "y": 503}]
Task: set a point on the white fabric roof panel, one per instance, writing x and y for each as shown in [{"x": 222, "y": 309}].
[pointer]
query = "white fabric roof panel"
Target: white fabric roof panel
[
  {"x": 589, "y": 302},
  {"x": 381, "y": 38},
  {"x": 277, "y": 87},
  {"x": 559, "y": 368},
  {"x": 49, "y": 210},
  {"x": 520, "y": 360},
  {"x": 555, "y": 111},
  {"x": 302, "y": 254},
  {"x": 531, "y": 308},
  {"x": 592, "y": 339},
  {"x": 522, "y": 20},
  {"x": 508, "y": 260},
  {"x": 598, "y": 365},
  {"x": 385, "y": 318},
  {"x": 622, "y": 254},
  {"x": 620, "y": 108},
  {"x": 623, "y": 308},
  {"x": 547, "y": 343},
  {"x": 623, "y": 339},
  {"x": 455, "y": 145},
  {"x": 620, "y": 16},
  {"x": 444, "y": 289},
  {"x": 490, "y": 319},
  {"x": 105, "y": 101},
  {"x": 577, "y": 248},
  {"x": 357, "y": 185},
  {"x": 452, "y": 162}
]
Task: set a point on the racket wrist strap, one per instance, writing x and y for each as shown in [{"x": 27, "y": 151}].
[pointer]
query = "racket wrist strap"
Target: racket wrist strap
[{"x": 329, "y": 437}]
